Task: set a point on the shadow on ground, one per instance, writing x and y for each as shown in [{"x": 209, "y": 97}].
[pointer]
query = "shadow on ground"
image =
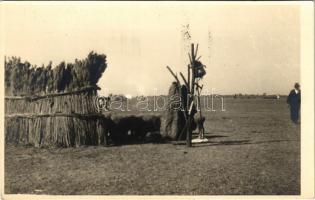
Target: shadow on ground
[{"x": 239, "y": 142}]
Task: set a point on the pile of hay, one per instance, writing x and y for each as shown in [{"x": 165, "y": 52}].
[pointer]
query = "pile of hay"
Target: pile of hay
[{"x": 174, "y": 120}]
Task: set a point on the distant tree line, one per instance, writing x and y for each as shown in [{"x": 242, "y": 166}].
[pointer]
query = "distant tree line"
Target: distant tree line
[
  {"x": 254, "y": 96},
  {"x": 22, "y": 78}
]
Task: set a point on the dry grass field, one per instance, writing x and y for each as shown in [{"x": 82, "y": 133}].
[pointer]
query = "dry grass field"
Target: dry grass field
[{"x": 254, "y": 149}]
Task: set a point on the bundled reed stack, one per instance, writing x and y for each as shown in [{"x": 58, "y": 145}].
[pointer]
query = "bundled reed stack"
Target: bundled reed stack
[
  {"x": 173, "y": 117},
  {"x": 47, "y": 106}
]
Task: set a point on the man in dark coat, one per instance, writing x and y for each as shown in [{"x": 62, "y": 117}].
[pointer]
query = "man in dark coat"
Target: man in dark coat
[{"x": 294, "y": 101}]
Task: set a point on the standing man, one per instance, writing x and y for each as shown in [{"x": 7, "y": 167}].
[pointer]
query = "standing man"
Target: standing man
[{"x": 294, "y": 101}]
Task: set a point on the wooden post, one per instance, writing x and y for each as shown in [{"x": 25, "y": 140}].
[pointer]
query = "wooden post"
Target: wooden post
[
  {"x": 173, "y": 74},
  {"x": 191, "y": 97},
  {"x": 184, "y": 79},
  {"x": 188, "y": 73},
  {"x": 188, "y": 82},
  {"x": 201, "y": 135}
]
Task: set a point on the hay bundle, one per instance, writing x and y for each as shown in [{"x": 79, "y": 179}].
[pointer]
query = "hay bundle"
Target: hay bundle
[
  {"x": 22, "y": 78},
  {"x": 174, "y": 121}
]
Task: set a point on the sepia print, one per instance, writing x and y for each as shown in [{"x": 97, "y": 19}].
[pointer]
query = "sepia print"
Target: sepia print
[{"x": 107, "y": 98}]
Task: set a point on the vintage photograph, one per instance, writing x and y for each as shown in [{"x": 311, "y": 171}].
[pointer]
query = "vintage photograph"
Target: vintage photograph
[{"x": 152, "y": 98}]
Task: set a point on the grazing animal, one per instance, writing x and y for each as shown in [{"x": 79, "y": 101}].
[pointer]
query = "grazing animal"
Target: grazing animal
[
  {"x": 150, "y": 124},
  {"x": 199, "y": 121},
  {"x": 130, "y": 128}
]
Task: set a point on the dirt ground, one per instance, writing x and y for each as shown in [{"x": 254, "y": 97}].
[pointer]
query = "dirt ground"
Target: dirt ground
[{"x": 254, "y": 149}]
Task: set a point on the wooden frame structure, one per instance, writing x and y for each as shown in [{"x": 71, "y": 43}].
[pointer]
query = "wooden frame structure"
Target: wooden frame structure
[{"x": 192, "y": 85}]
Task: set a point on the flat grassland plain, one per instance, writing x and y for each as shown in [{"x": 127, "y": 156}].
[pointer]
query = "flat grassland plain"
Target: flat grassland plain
[{"x": 254, "y": 149}]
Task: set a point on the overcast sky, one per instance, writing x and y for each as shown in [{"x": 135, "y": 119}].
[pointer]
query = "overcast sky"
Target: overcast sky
[{"x": 253, "y": 48}]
